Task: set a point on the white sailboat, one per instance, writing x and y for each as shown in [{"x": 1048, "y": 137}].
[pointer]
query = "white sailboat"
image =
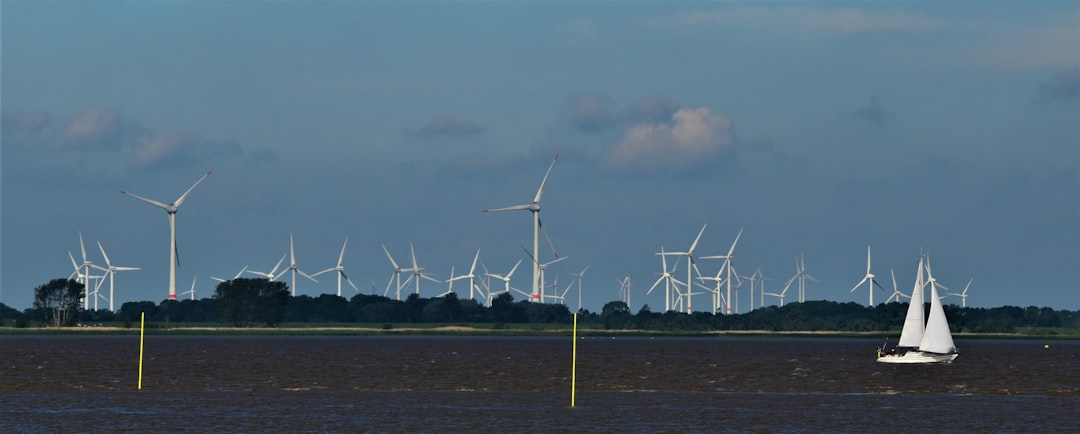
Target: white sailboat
[{"x": 919, "y": 343}]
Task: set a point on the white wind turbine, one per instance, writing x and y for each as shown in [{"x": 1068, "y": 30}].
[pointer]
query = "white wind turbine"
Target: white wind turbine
[
  {"x": 340, "y": 269},
  {"x": 110, "y": 273},
  {"x": 718, "y": 294},
  {"x": 271, "y": 275},
  {"x": 668, "y": 277},
  {"x": 292, "y": 267},
  {"x": 963, "y": 294},
  {"x": 731, "y": 275},
  {"x": 800, "y": 276},
  {"x": 396, "y": 277},
  {"x": 689, "y": 253},
  {"x": 624, "y": 289},
  {"x": 896, "y": 294},
  {"x": 171, "y": 209},
  {"x": 190, "y": 291},
  {"x": 579, "y": 276},
  {"x": 781, "y": 295},
  {"x": 416, "y": 271},
  {"x": 504, "y": 278},
  {"x": 82, "y": 270},
  {"x": 534, "y": 208},
  {"x": 868, "y": 278},
  {"x": 237, "y": 276},
  {"x": 471, "y": 276}
]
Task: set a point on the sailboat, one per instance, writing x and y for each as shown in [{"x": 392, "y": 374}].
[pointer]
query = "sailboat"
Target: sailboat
[{"x": 923, "y": 343}]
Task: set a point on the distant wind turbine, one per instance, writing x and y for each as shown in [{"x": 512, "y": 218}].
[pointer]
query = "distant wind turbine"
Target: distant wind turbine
[
  {"x": 171, "y": 209},
  {"x": 868, "y": 278},
  {"x": 731, "y": 274},
  {"x": 689, "y": 253},
  {"x": 534, "y": 208},
  {"x": 292, "y": 267},
  {"x": 190, "y": 291},
  {"x": 110, "y": 272},
  {"x": 340, "y": 270}
]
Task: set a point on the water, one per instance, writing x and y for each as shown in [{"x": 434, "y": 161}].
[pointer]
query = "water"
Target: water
[{"x": 508, "y": 384}]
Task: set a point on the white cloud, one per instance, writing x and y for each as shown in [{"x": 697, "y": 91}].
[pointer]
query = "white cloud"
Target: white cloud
[{"x": 692, "y": 136}]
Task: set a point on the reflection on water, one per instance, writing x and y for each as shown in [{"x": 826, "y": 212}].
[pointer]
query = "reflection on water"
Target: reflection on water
[{"x": 498, "y": 384}]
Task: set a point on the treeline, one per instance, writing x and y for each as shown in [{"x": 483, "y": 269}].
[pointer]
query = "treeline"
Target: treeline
[{"x": 258, "y": 302}]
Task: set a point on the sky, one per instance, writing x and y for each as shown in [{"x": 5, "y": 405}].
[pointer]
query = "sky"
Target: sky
[{"x": 817, "y": 128}]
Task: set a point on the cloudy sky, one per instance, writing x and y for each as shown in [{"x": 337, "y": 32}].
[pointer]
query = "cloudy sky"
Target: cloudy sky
[{"x": 817, "y": 128}]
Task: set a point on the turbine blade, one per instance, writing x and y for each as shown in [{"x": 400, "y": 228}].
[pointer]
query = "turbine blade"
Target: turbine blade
[
  {"x": 509, "y": 208},
  {"x": 731, "y": 251},
  {"x": 694, "y": 244},
  {"x": 180, "y": 200},
  {"x": 149, "y": 201},
  {"x": 540, "y": 191}
]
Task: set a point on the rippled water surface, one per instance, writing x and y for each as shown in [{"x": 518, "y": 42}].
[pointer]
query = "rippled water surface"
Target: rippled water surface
[{"x": 507, "y": 384}]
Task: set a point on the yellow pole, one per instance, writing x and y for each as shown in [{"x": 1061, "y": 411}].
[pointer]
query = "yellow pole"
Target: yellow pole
[
  {"x": 573, "y": 368},
  {"x": 142, "y": 332}
]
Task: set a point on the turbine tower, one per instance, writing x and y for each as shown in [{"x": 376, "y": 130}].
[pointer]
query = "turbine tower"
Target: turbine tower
[
  {"x": 868, "y": 278},
  {"x": 667, "y": 277},
  {"x": 579, "y": 277},
  {"x": 534, "y": 208},
  {"x": 171, "y": 209},
  {"x": 471, "y": 276}
]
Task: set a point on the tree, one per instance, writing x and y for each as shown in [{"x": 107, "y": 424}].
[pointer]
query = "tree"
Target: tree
[
  {"x": 615, "y": 315},
  {"x": 244, "y": 302},
  {"x": 60, "y": 301}
]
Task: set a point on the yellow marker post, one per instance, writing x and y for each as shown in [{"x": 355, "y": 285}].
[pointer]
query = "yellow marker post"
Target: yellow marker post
[
  {"x": 142, "y": 332},
  {"x": 573, "y": 368}
]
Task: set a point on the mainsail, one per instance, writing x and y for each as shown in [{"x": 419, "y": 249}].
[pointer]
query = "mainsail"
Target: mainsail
[{"x": 912, "y": 334}]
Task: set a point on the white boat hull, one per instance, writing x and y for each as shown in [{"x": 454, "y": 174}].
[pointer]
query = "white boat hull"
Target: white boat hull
[{"x": 917, "y": 357}]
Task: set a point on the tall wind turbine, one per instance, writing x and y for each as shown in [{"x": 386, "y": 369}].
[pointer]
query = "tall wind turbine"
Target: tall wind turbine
[
  {"x": 689, "y": 253},
  {"x": 963, "y": 294},
  {"x": 83, "y": 272},
  {"x": 534, "y": 208},
  {"x": 505, "y": 278},
  {"x": 340, "y": 270},
  {"x": 271, "y": 275},
  {"x": 543, "y": 269},
  {"x": 110, "y": 272},
  {"x": 292, "y": 267},
  {"x": 416, "y": 270},
  {"x": 868, "y": 278},
  {"x": 396, "y": 277},
  {"x": 190, "y": 291},
  {"x": 171, "y": 209},
  {"x": 730, "y": 270}
]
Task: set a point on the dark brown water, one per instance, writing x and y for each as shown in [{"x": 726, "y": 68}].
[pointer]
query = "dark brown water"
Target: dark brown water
[{"x": 503, "y": 384}]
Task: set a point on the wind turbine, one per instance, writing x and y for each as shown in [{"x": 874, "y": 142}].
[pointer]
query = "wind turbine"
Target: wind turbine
[
  {"x": 417, "y": 275},
  {"x": 579, "y": 276},
  {"x": 689, "y": 253},
  {"x": 624, "y": 289},
  {"x": 667, "y": 277},
  {"x": 396, "y": 277},
  {"x": 271, "y": 275},
  {"x": 292, "y": 267},
  {"x": 730, "y": 270},
  {"x": 800, "y": 276},
  {"x": 868, "y": 278},
  {"x": 504, "y": 278},
  {"x": 471, "y": 276},
  {"x": 534, "y": 208},
  {"x": 82, "y": 270},
  {"x": 896, "y": 294},
  {"x": 340, "y": 270},
  {"x": 171, "y": 209},
  {"x": 110, "y": 272},
  {"x": 237, "y": 276},
  {"x": 190, "y": 291},
  {"x": 963, "y": 294}
]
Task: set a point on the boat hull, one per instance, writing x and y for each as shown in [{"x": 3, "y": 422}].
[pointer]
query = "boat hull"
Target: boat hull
[{"x": 917, "y": 357}]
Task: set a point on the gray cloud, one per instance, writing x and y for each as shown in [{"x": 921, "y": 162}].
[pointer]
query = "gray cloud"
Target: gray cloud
[
  {"x": 654, "y": 108},
  {"x": 1065, "y": 85},
  {"x": 588, "y": 113},
  {"x": 872, "y": 112},
  {"x": 450, "y": 126},
  {"x": 159, "y": 151}
]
